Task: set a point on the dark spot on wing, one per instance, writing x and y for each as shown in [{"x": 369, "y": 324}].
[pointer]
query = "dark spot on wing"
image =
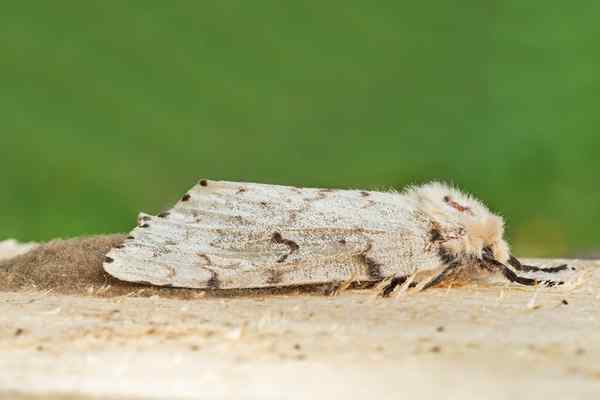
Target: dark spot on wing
[
  {"x": 130, "y": 237},
  {"x": 108, "y": 260},
  {"x": 145, "y": 226},
  {"x": 263, "y": 203},
  {"x": 172, "y": 272},
  {"x": 373, "y": 267},
  {"x": 242, "y": 190},
  {"x": 213, "y": 282},
  {"x": 365, "y": 194},
  {"x": 186, "y": 197},
  {"x": 435, "y": 235},
  {"x": 163, "y": 214},
  {"x": 205, "y": 258},
  {"x": 145, "y": 218},
  {"x": 277, "y": 238},
  {"x": 204, "y": 182},
  {"x": 370, "y": 203},
  {"x": 293, "y": 246},
  {"x": 342, "y": 241},
  {"x": 275, "y": 277},
  {"x": 120, "y": 246}
]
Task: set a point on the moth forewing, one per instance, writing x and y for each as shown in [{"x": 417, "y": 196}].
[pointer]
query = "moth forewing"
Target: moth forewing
[{"x": 237, "y": 235}]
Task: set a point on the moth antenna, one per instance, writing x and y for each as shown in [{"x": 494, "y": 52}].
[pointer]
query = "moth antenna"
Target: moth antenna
[
  {"x": 513, "y": 277},
  {"x": 516, "y": 264}
]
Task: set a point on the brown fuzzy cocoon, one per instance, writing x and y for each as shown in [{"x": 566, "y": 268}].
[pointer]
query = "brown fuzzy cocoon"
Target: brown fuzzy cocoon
[{"x": 74, "y": 267}]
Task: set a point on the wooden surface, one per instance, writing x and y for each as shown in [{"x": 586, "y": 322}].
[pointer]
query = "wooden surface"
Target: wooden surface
[{"x": 492, "y": 341}]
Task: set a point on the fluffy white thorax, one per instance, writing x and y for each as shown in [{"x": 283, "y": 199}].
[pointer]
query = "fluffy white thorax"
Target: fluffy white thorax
[{"x": 465, "y": 224}]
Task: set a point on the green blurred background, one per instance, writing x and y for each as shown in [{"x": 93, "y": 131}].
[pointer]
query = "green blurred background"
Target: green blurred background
[{"x": 108, "y": 108}]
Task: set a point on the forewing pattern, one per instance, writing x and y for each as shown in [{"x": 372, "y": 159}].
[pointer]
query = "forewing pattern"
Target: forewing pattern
[{"x": 246, "y": 235}]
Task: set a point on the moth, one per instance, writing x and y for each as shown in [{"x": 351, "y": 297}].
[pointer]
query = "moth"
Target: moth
[{"x": 227, "y": 235}]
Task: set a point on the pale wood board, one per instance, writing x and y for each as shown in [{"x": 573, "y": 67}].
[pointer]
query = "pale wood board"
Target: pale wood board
[{"x": 491, "y": 341}]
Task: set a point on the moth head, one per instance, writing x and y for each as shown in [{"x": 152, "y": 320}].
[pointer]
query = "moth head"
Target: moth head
[{"x": 463, "y": 225}]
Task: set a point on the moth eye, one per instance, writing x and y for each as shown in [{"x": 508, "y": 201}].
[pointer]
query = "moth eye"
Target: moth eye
[{"x": 487, "y": 252}]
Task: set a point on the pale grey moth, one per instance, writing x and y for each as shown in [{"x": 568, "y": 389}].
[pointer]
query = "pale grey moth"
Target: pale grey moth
[{"x": 226, "y": 235}]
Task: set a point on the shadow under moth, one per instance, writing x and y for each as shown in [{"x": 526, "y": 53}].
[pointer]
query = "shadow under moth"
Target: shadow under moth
[{"x": 226, "y": 235}]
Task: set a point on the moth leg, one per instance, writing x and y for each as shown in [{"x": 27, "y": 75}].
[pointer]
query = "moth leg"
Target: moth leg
[
  {"x": 395, "y": 282},
  {"x": 513, "y": 261},
  {"x": 441, "y": 276}
]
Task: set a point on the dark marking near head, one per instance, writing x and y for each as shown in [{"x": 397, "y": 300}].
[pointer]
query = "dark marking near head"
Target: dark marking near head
[
  {"x": 373, "y": 267},
  {"x": 213, "y": 282},
  {"x": 365, "y": 194},
  {"x": 342, "y": 241},
  {"x": 446, "y": 256},
  {"x": 565, "y": 302},
  {"x": 264, "y": 203},
  {"x": 163, "y": 214},
  {"x": 130, "y": 237},
  {"x": 120, "y": 246},
  {"x": 455, "y": 205},
  {"x": 242, "y": 190},
  {"x": 145, "y": 218},
  {"x": 186, "y": 197},
  {"x": 204, "y": 182},
  {"x": 435, "y": 235},
  {"x": 108, "y": 260},
  {"x": 145, "y": 226},
  {"x": 275, "y": 277}
]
